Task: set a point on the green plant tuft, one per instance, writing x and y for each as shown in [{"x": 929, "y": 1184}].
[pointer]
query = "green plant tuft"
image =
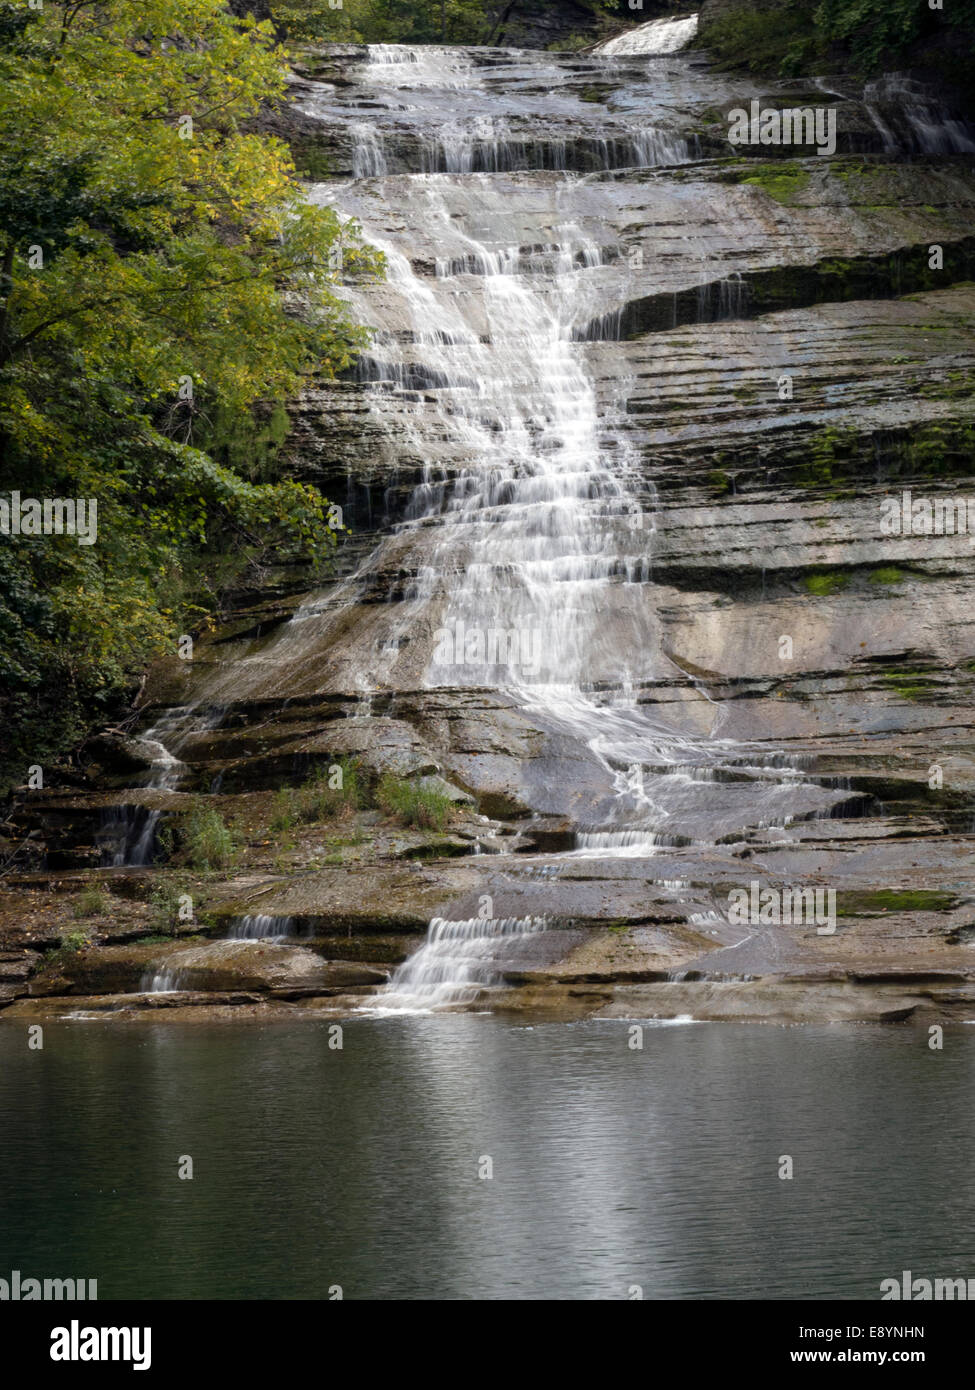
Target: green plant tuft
[
  {"x": 413, "y": 802},
  {"x": 91, "y": 902}
]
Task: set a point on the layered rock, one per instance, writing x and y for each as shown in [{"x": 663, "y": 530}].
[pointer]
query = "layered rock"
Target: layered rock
[{"x": 648, "y": 392}]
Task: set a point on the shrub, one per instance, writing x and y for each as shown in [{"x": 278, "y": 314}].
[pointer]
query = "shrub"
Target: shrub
[
  {"x": 72, "y": 941},
  {"x": 91, "y": 902},
  {"x": 165, "y": 904},
  {"x": 282, "y": 810},
  {"x": 208, "y": 840},
  {"x": 329, "y": 793},
  {"x": 414, "y": 803},
  {"x": 763, "y": 40}
]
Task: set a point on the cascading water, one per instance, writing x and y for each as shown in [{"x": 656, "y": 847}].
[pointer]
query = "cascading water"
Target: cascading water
[
  {"x": 131, "y": 831},
  {"x": 909, "y": 117},
  {"x": 259, "y": 927},
  {"x": 540, "y": 520},
  {"x": 526, "y": 548},
  {"x": 456, "y": 963},
  {"x": 160, "y": 982},
  {"x": 659, "y": 36}
]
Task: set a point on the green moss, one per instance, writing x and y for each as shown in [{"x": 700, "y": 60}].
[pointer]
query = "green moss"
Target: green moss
[
  {"x": 875, "y": 902},
  {"x": 912, "y": 685},
  {"x": 957, "y": 386},
  {"x": 781, "y": 181},
  {"x": 829, "y": 450},
  {"x": 720, "y": 481},
  {"x": 823, "y": 583},
  {"x": 887, "y": 574},
  {"x": 159, "y": 939}
]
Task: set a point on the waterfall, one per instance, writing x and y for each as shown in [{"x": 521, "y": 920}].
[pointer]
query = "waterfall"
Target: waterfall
[
  {"x": 523, "y": 557},
  {"x": 160, "y": 982},
  {"x": 910, "y": 117},
  {"x": 540, "y": 520},
  {"x": 526, "y": 519},
  {"x": 456, "y": 963},
  {"x": 657, "y": 37},
  {"x": 260, "y": 927},
  {"x": 131, "y": 830}
]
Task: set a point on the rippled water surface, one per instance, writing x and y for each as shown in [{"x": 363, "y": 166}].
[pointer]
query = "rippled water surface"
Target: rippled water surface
[{"x": 612, "y": 1167}]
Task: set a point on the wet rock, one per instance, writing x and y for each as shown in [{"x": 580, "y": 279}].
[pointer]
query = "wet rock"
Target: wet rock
[{"x": 256, "y": 965}]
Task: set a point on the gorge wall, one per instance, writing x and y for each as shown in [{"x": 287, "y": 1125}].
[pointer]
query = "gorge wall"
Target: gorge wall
[{"x": 620, "y": 579}]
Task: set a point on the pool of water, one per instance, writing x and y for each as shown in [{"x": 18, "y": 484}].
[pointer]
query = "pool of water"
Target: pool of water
[{"x": 611, "y": 1168}]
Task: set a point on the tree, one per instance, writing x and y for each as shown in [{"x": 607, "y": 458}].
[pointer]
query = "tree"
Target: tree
[{"x": 151, "y": 254}]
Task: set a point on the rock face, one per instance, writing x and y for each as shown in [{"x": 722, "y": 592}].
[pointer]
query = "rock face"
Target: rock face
[{"x": 622, "y": 467}]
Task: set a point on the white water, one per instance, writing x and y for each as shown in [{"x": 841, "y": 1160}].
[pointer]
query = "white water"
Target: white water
[
  {"x": 160, "y": 982},
  {"x": 260, "y": 927},
  {"x": 926, "y": 125},
  {"x": 131, "y": 830},
  {"x": 657, "y": 37},
  {"x": 541, "y": 525},
  {"x": 456, "y": 963}
]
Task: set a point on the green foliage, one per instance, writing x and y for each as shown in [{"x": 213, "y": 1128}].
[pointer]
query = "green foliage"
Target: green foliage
[
  {"x": 147, "y": 347},
  {"x": 388, "y": 21},
  {"x": 71, "y": 943},
  {"x": 328, "y": 794},
  {"x": 413, "y": 803},
  {"x": 91, "y": 902},
  {"x": 165, "y": 905},
  {"x": 872, "y": 29},
  {"x": 866, "y": 35},
  {"x": 419, "y": 21},
  {"x": 782, "y": 40},
  {"x": 207, "y": 841}
]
